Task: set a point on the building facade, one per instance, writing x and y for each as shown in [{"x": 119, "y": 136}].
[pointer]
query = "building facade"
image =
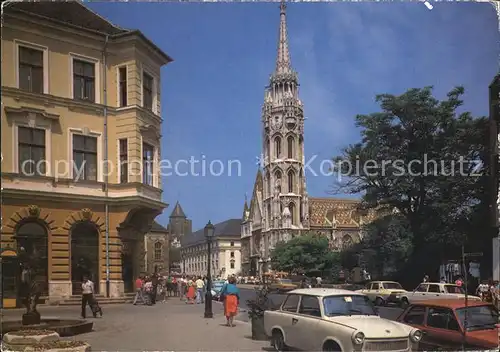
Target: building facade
[
  {"x": 280, "y": 207},
  {"x": 157, "y": 244},
  {"x": 80, "y": 146},
  {"x": 225, "y": 251}
]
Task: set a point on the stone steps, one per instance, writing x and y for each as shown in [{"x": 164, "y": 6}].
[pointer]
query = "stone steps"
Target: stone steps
[{"x": 76, "y": 300}]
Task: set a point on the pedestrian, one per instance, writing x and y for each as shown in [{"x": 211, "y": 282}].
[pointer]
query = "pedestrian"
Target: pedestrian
[
  {"x": 443, "y": 280},
  {"x": 459, "y": 282},
  {"x": 191, "y": 291},
  {"x": 231, "y": 297},
  {"x": 139, "y": 283},
  {"x": 200, "y": 287},
  {"x": 426, "y": 278},
  {"x": 154, "y": 293},
  {"x": 87, "y": 295},
  {"x": 148, "y": 291},
  {"x": 318, "y": 281},
  {"x": 180, "y": 287}
]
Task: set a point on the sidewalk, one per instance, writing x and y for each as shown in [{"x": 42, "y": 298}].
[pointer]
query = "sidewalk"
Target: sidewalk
[{"x": 171, "y": 326}]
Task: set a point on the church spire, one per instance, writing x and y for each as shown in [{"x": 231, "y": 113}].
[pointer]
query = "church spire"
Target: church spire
[{"x": 283, "y": 62}]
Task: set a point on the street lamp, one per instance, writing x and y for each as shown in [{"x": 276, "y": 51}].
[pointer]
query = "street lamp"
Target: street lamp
[{"x": 209, "y": 234}]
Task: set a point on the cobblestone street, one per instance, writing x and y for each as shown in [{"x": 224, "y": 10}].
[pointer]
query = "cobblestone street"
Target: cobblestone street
[{"x": 171, "y": 326}]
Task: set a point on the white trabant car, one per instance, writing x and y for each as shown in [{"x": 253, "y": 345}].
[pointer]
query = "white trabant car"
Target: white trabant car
[
  {"x": 325, "y": 319},
  {"x": 383, "y": 292},
  {"x": 435, "y": 290}
]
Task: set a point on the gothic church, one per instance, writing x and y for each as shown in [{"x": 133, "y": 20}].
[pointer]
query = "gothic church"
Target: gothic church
[{"x": 280, "y": 207}]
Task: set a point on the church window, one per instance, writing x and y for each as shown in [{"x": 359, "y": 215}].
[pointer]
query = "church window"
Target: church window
[
  {"x": 290, "y": 147},
  {"x": 158, "y": 251},
  {"x": 291, "y": 177},
  {"x": 269, "y": 215},
  {"x": 291, "y": 207},
  {"x": 268, "y": 178},
  {"x": 277, "y": 146}
]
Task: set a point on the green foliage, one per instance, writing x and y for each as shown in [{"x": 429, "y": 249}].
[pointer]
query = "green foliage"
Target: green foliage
[
  {"x": 305, "y": 254},
  {"x": 419, "y": 155},
  {"x": 387, "y": 245},
  {"x": 428, "y": 185},
  {"x": 259, "y": 304}
]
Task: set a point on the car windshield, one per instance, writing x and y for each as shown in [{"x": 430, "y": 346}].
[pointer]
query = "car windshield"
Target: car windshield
[
  {"x": 454, "y": 289},
  {"x": 348, "y": 305},
  {"x": 479, "y": 317},
  {"x": 286, "y": 281},
  {"x": 392, "y": 286}
]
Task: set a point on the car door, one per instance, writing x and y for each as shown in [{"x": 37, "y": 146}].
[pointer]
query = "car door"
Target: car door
[
  {"x": 366, "y": 289},
  {"x": 419, "y": 293},
  {"x": 442, "y": 329},
  {"x": 434, "y": 292},
  {"x": 289, "y": 311},
  {"x": 375, "y": 290},
  {"x": 415, "y": 316},
  {"x": 304, "y": 328}
]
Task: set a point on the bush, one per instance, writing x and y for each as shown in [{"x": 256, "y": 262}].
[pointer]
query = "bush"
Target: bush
[{"x": 261, "y": 303}]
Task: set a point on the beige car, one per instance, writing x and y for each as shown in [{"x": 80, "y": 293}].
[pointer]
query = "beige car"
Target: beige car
[
  {"x": 435, "y": 290},
  {"x": 384, "y": 292},
  {"x": 317, "y": 319},
  {"x": 282, "y": 285}
]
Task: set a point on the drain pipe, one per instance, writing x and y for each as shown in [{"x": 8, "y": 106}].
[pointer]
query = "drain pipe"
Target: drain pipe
[{"x": 106, "y": 165}]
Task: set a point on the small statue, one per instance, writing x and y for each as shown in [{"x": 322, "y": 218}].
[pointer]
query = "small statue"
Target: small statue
[{"x": 30, "y": 289}]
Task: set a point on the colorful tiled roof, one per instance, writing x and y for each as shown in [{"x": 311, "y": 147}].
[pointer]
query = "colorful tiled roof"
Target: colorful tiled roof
[{"x": 339, "y": 212}]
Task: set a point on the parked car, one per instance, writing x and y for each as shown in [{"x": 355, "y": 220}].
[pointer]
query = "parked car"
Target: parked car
[
  {"x": 443, "y": 324},
  {"x": 216, "y": 289},
  {"x": 435, "y": 290},
  {"x": 325, "y": 319},
  {"x": 282, "y": 285},
  {"x": 383, "y": 292}
]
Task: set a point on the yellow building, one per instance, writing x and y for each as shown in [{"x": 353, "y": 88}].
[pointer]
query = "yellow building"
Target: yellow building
[{"x": 80, "y": 130}]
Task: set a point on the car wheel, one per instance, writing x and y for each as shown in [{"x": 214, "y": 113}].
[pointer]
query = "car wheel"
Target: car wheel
[
  {"x": 331, "y": 346},
  {"x": 278, "y": 341},
  {"x": 404, "y": 302},
  {"x": 379, "y": 301}
]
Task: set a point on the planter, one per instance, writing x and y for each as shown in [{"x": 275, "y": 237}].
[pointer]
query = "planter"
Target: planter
[
  {"x": 30, "y": 337},
  {"x": 258, "y": 330},
  {"x": 54, "y": 346}
]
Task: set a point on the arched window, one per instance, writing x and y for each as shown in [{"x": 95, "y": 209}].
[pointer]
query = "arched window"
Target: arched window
[
  {"x": 277, "y": 176},
  {"x": 291, "y": 179},
  {"x": 269, "y": 215},
  {"x": 268, "y": 178},
  {"x": 277, "y": 147},
  {"x": 158, "y": 251},
  {"x": 347, "y": 241},
  {"x": 291, "y": 207},
  {"x": 290, "y": 141},
  {"x": 266, "y": 149}
]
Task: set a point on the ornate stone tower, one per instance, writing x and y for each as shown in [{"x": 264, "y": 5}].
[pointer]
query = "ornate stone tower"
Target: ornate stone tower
[{"x": 285, "y": 200}]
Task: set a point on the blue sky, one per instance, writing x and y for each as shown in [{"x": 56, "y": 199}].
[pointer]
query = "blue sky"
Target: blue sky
[{"x": 345, "y": 54}]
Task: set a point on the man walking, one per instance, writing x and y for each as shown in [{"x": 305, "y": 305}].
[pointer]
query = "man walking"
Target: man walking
[
  {"x": 200, "y": 287},
  {"x": 138, "y": 290},
  {"x": 154, "y": 281},
  {"x": 87, "y": 294}
]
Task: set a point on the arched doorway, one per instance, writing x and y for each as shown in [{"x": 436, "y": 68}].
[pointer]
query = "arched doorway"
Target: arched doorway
[
  {"x": 32, "y": 247},
  {"x": 84, "y": 255}
]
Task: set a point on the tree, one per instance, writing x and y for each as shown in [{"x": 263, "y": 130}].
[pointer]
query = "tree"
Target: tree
[
  {"x": 421, "y": 157},
  {"x": 387, "y": 245},
  {"x": 305, "y": 254}
]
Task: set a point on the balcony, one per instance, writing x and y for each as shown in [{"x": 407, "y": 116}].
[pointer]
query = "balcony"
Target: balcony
[{"x": 61, "y": 187}]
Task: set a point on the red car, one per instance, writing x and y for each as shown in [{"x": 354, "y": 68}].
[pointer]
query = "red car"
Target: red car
[{"x": 442, "y": 323}]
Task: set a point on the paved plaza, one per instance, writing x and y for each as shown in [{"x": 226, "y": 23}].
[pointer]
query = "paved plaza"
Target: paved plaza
[{"x": 171, "y": 326}]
